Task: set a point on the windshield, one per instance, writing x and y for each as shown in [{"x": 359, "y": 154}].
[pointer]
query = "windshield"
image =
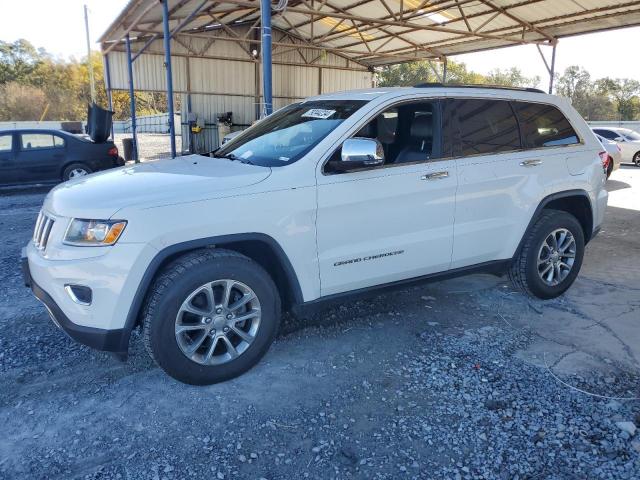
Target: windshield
[
  {"x": 288, "y": 134},
  {"x": 631, "y": 135}
]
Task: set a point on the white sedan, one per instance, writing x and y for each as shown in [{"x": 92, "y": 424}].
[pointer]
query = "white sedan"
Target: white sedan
[
  {"x": 628, "y": 140},
  {"x": 613, "y": 151}
]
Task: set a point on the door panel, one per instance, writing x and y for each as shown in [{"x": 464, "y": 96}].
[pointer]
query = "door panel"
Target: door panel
[
  {"x": 497, "y": 195},
  {"x": 8, "y": 171},
  {"x": 40, "y": 157},
  {"x": 385, "y": 225},
  {"x": 499, "y": 191}
]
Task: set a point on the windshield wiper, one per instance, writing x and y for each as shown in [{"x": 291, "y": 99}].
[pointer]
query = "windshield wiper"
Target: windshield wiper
[
  {"x": 232, "y": 156},
  {"x": 229, "y": 156}
]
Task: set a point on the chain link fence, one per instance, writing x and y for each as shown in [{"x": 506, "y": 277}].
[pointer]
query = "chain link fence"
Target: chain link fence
[{"x": 152, "y": 133}]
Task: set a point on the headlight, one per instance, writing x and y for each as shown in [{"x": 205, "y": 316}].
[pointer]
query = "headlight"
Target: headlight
[{"x": 94, "y": 233}]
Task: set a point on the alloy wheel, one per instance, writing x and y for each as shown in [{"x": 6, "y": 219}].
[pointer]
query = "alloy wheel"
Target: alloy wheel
[
  {"x": 77, "y": 172},
  {"x": 556, "y": 256},
  {"x": 217, "y": 322}
]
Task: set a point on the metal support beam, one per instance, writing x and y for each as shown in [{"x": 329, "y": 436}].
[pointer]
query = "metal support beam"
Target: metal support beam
[
  {"x": 132, "y": 99},
  {"x": 265, "y": 13},
  {"x": 167, "y": 64},
  {"x": 107, "y": 78},
  {"x": 145, "y": 46},
  {"x": 553, "y": 67},
  {"x": 190, "y": 17},
  {"x": 444, "y": 70}
]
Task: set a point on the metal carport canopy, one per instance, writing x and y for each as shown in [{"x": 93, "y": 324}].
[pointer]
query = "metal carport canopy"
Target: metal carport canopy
[
  {"x": 382, "y": 32},
  {"x": 368, "y": 32}
]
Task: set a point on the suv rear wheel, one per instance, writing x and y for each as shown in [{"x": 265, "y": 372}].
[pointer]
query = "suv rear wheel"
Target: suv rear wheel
[
  {"x": 551, "y": 257},
  {"x": 211, "y": 316},
  {"x": 636, "y": 159}
]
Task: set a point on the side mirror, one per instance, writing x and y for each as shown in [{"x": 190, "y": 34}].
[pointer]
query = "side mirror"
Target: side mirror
[
  {"x": 359, "y": 153},
  {"x": 619, "y": 139}
]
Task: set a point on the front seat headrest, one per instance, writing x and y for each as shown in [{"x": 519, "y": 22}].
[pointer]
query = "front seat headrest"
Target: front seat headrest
[
  {"x": 367, "y": 131},
  {"x": 421, "y": 127}
]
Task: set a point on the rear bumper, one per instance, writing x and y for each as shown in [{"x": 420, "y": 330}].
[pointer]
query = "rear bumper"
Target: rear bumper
[{"x": 115, "y": 341}]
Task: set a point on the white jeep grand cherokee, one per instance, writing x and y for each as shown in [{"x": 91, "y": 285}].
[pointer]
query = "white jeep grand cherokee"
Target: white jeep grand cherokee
[{"x": 338, "y": 194}]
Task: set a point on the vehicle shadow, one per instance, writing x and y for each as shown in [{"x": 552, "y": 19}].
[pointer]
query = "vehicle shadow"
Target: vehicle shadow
[
  {"x": 613, "y": 185},
  {"x": 24, "y": 190}
]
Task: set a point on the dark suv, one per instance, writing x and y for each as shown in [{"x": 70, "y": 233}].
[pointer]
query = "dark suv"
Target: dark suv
[{"x": 50, "y": 156}]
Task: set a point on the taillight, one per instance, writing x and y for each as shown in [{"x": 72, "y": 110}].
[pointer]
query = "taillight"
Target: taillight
[
  {"x": 604, "y": 158},
  {"x": 113, "y": 151}
]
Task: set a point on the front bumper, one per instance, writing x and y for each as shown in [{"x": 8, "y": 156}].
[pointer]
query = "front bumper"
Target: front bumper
[{"x": 116, "y": 341}]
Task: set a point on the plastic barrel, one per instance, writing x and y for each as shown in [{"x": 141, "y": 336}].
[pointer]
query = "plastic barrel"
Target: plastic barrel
[{"x": 127, "y": 146}]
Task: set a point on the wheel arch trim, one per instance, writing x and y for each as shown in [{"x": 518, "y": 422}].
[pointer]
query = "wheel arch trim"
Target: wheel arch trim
[
  {"x": 546, "y": 201},
  {"x": 183, "y": 247}
]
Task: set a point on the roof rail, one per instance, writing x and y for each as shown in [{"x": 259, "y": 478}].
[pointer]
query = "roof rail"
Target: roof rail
[{"x": 477, "y": 85}]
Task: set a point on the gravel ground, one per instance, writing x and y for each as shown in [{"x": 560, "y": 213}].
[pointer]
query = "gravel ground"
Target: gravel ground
[
  {"x": 436, "y": 381},
  {"x": 150, "y": 145}
]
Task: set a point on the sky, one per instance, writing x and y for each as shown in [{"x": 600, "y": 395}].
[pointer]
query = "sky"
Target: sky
[{"x": 58, "y": 26}]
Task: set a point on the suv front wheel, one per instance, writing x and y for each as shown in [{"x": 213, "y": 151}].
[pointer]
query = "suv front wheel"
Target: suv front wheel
[
  {"x": 551, "y": 256},
  {"x": 211, "y": 315}
]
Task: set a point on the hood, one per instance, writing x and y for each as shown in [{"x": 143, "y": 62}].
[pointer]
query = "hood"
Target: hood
[{"x": 167, "y": 181}]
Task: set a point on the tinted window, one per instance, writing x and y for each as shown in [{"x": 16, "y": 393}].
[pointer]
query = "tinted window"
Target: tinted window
[
  {"x": 606, "y": 133},
  {"x": 483, "y": 127},
  {"x": 288, "y": 134},
  {"x": 418, "y": 133},
  {"x": 5, "y": 143},
  {"x": 632, "y": 136},
  {"x": 544, "y": 126},
  {"x": 33, "y": 141}
]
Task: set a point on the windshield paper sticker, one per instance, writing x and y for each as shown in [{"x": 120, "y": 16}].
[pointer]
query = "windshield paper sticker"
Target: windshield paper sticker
[{"x": 320, "y": 113}]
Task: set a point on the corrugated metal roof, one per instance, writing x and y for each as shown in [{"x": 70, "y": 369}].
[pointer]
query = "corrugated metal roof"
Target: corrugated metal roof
[{"x": 379, "y": 32}]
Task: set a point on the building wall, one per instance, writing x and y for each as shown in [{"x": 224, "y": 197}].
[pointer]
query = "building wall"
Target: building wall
[{"x": 222, "y": 76}]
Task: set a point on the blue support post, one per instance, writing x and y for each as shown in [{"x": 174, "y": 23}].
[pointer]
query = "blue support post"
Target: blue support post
[
  {"x": 265, "y": 12},
  {"x": 107, "y": 72},
  {"x": 167, "y": 64},
  {"x": 132, "y": 99}
]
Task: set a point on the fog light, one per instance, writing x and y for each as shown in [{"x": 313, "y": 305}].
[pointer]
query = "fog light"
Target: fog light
[{"x": 79, "y": 294}]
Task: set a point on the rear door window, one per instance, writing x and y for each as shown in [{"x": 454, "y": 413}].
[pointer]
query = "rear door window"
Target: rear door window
[
  {"x": 481, "y": 127},
  {"x": 5, "y": 142},
  {"x": 35, "y": 141},
  {"x": 544, "y": 126}
]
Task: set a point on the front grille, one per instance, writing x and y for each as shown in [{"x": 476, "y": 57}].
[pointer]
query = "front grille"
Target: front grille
[{"x": 41, "y": 233}]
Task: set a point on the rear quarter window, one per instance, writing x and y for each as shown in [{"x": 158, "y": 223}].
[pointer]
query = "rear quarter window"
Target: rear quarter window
[{"x": 544, "y": 125}]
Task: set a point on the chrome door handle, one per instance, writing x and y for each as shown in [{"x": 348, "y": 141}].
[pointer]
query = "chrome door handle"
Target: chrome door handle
[
  {"x": 434, "y": 176},
  {"x": 531, "y": 163}
]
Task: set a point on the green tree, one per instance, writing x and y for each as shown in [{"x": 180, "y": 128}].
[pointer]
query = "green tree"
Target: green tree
[
  {"x": 511, "y": 77},
  {"x": 412, "y": 73},
  {"x": 18, "y": 60},
  {"x": 21, "y": 102},
  {"x": 32, "y": 81},
  {"x": 590, "y": 98},
  {"x": 624, "y": 93}
]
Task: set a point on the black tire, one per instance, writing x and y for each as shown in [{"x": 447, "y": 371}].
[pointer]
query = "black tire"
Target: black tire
[
  {"x": 171, "y": 288},
  {"x": 68, "y": 172},
  {"x": 610, "y": 168},
  {"x": 636, "y": 159},
  {"x": 524, "y": 269}
]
